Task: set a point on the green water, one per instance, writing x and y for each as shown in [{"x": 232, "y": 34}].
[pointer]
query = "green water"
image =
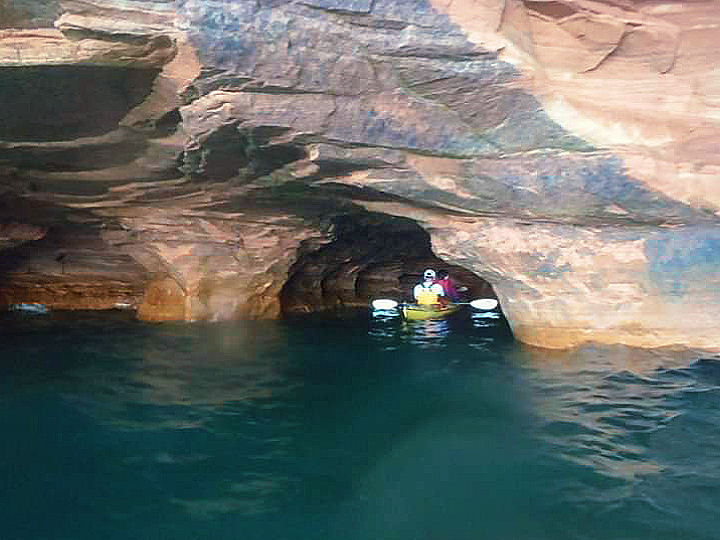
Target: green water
[{"x": 352, "y": 427}]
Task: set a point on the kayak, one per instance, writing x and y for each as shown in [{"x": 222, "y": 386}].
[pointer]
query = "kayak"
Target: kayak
[{"x": 415, "y": 312}]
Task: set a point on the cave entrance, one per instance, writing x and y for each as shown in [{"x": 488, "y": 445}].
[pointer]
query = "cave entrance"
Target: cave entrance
[{"x": 372, "y": 256}]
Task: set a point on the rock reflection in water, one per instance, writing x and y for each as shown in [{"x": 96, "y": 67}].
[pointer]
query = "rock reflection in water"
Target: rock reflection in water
[
  {"x": 203, "y": 365},
  {"x": 189, "y": 397},
  {"x": 601, "y": 403},
  {"x": 351, "y": 428}
]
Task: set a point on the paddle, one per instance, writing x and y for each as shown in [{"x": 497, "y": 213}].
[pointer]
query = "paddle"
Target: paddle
[
  {"x": 385, "y": 303},
  {"x": 483, "y": 304}
]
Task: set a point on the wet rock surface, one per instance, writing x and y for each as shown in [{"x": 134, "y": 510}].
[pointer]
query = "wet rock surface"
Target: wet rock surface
[{"x": 206, "y": 160}]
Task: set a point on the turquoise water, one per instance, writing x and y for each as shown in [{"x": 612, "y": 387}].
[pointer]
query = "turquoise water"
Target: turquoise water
[{"x": 352, "y": 427}]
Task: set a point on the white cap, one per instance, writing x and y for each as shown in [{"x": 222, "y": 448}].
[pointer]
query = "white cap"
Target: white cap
[{"x": 429, "y": 274}]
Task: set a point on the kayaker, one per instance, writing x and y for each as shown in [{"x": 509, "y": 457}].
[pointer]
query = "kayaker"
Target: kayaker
[
  {"x": 428, "y": 292},
  {"x": 448, "y": 286}
]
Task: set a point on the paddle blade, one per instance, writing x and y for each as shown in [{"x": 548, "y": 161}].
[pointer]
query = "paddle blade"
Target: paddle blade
[
  {"x": 484, "y": 304},
  {"x": 384, "y": 303}
]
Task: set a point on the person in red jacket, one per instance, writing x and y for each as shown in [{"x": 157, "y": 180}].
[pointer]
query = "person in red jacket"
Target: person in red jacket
[{"x": 448, "y": 286}]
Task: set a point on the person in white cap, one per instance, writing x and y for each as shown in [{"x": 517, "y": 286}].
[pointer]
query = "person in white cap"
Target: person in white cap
[{"x": 428, "y": 292}]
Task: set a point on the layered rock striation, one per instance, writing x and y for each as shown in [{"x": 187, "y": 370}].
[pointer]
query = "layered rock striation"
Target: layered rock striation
[{"x": 210, "y": 159}]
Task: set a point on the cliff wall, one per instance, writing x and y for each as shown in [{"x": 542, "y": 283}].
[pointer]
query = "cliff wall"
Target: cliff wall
[{"x": 202, "y": 159}]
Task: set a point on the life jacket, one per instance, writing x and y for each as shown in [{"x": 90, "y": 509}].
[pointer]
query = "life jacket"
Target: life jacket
[{"x": 427, "y": 297}]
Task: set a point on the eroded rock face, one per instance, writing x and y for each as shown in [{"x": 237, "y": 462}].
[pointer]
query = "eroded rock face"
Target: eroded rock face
[
  {"x": 638, "y": 79},
  {"x": 562, "y": 150},
  {"x": 636, "y": 285}
]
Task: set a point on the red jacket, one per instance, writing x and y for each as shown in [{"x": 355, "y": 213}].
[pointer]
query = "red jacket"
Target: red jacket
[{"x": 449, "y": 289}]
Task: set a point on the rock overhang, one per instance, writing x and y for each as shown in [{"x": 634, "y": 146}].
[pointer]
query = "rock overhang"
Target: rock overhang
[
  {"x": 468, "y": 125},
  {"x": 67, "y": 102}
]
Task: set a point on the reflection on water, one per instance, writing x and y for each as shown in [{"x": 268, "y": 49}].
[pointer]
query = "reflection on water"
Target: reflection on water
[
  {"x": 359, "y": 427},
  {"x": 199, "y": 367},
  {"x": 619, "y": 415},
  {"x": 601, "y": 403},
  {"x": 389, "y": 325},
  {"x": 427, "y": 334},
  {"x": 178, "y": 399},
  {"x": 486, "y": 325}
]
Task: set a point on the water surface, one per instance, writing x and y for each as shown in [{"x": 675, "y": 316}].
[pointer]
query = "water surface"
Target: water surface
[{"x": 354, "y": 427}]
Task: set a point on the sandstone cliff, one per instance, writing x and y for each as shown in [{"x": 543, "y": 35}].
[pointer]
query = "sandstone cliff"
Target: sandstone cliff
[{"x": 203, "y": 159}]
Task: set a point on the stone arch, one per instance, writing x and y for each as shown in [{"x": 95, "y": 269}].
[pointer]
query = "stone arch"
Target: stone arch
[{"x": 371, "y": 256}]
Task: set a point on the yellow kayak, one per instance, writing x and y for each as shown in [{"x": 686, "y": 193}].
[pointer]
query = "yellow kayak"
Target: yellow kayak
[{"x": 415, "y": 312}]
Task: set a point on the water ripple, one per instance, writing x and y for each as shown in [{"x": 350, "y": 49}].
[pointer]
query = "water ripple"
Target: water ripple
[
  {"x": 385, "y": 429},
  {"x": 613, "y": 420}
]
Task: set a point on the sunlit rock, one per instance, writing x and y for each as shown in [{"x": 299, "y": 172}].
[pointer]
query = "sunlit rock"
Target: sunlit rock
[{"x": 241, "y": 159}]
